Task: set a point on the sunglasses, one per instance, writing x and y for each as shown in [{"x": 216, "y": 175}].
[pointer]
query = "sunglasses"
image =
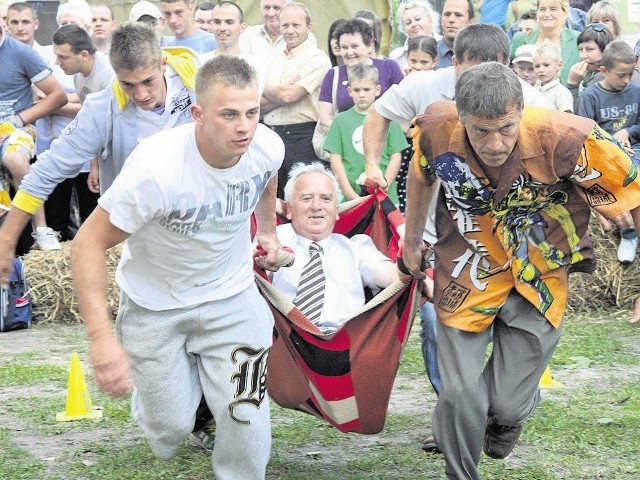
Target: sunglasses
[{"x": 598, "y": 27}]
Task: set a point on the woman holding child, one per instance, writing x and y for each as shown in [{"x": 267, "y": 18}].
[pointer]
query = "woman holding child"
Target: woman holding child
[
  {"x": 552, "y": 16},
  {"x": 356, "y": 41}
]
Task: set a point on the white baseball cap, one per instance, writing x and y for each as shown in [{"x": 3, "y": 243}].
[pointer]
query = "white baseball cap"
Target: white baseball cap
[
  {"x": 142, "y": 8},
  {"x": 524, "y": 53}
]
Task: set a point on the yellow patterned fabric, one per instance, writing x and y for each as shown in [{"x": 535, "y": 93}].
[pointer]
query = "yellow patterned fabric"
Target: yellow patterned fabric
[
  {"x": 4, "y": 197},
  {"x": 524, "y": 225}
]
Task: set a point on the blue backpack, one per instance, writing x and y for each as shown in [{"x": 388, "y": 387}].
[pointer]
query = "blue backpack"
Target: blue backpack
[{"x": 15, "y": 302}]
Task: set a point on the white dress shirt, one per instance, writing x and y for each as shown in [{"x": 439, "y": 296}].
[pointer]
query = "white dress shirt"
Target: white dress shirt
[{"x": 348, "y": 263}]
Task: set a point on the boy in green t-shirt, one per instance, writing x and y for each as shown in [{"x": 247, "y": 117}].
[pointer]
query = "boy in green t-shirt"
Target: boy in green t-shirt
[{"x": 344, "y": 139}]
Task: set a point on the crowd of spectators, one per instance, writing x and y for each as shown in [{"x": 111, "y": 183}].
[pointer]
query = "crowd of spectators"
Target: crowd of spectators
[{"x": 557, "y": 48}]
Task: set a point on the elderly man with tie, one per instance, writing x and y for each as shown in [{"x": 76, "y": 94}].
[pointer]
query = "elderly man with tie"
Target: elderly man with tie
[{"x": 327, "y": 279}]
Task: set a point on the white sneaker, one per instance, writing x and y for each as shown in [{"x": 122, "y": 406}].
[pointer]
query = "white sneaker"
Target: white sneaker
[
  {"x": 46, "y": 238},
  {"x": 627, "y": 250}
]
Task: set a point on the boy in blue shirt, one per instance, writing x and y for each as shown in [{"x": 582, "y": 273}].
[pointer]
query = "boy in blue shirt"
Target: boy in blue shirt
[
  {"x": 178, "y": 15},
  {"x": 344, "y": 139}
]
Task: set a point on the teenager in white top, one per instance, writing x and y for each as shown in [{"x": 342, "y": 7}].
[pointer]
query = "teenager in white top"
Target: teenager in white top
[{"x": 191, "y": 321}]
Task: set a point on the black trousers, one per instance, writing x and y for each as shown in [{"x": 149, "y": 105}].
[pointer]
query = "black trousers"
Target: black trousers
[
  {"x": 57, "y": 208},
  {"x": 298, "y": 148}
]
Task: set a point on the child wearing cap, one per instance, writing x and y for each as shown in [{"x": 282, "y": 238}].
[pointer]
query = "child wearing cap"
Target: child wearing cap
[
  {"x": 547, "y": 64},
  {"x": 523, "y": 64}
]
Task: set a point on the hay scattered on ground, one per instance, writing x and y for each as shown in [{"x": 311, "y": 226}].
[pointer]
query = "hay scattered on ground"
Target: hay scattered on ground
[
  {"x": 51, "y": 286},
  {"x": 612, "y": 286}
]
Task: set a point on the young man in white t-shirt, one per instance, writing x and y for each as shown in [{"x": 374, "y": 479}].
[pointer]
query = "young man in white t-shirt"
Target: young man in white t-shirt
[
  {"x": 228, "y": 24},
  {"x": 191, "y": 321},
  {"x": 77, "y": 56}
]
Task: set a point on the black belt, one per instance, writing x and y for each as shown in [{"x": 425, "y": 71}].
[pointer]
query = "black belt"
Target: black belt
[{"x": 293, "y": 128}]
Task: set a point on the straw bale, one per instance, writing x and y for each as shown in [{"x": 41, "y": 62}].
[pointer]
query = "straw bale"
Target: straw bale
[
  {"x": 51, "y": 287},
  {"x": 612, "y": 286}
]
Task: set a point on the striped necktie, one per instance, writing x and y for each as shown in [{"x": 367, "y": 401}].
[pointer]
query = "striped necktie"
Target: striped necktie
[{"x": 310, "y": 293}]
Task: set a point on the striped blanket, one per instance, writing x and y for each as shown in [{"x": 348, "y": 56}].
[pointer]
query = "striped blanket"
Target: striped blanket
[{"x": 345, "y": 378}]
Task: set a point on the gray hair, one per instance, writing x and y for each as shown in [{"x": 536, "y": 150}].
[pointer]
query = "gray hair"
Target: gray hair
[
  {"x": 226, "y": 70},
  {"x": 300, "y": 169},
  {"x": 75, "y": 8},
  {"x": 488, "y": 90},
  {"x": 286, "y": 2},
  {"x": 134, "y": 46},
  {"x": 483, "y": 43}
]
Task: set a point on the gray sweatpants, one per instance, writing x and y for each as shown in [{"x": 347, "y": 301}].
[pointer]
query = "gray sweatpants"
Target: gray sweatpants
[
  {"x": 506, "y": 389},
  {"x": 218, "y": 349}
]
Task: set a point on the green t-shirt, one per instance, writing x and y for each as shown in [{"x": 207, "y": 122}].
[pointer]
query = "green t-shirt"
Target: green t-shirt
[{"x": 345, "y": 139}]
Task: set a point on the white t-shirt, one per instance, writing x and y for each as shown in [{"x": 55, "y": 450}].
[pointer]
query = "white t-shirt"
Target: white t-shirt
[
  {"x": 189, "y": 222},
  {"x": 101, "y": 77},
  {"x": 49, "y": 127},
  {"x": 176, "y": 108},
  {"x": 348, "y": 263}
]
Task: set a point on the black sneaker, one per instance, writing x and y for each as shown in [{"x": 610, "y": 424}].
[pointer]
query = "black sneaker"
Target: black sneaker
[
  {"x": 430, "y": 445},
  {"x": 499, "y": 440},
  {"x": 205, "y": 437}
]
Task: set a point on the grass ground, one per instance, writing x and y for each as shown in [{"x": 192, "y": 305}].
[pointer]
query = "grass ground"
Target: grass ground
[{"x": 587, "y": 430}]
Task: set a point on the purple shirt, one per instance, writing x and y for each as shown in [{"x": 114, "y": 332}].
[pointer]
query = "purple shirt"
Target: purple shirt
[{"x": 389, "y": 73}]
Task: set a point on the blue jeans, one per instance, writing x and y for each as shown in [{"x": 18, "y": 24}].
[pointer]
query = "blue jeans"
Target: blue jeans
[
  {"x": 636, "y": 157},
  {"x": 428, "y": 321}
]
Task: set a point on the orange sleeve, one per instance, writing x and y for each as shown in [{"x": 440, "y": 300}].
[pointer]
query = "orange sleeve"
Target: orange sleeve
[{"x": 607, "y": 175}]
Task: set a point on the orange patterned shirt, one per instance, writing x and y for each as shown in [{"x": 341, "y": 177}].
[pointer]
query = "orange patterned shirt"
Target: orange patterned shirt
[{"x": 525, "y": 227}]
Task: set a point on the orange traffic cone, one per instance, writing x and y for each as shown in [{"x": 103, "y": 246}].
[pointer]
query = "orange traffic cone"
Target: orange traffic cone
[
  {"x": 547, "y": 381},
  {"x": 78, "y": 401}
]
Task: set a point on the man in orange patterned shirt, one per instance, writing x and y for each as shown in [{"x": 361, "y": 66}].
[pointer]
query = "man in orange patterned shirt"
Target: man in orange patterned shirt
[{"x": 516, "y": 188}]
